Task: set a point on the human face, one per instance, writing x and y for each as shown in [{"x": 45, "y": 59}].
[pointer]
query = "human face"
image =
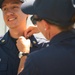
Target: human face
[
  {"x": 40, "y": 24},
  {"x": 13, "y": 16}
]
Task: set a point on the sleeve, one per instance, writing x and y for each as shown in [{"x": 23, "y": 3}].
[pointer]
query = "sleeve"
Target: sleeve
[{"x": 30, "y": 68}]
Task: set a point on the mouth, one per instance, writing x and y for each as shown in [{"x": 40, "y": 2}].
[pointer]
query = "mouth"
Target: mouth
[{"x": 11, "y": 19}]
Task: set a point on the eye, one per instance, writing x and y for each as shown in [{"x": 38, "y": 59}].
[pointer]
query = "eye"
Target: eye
[
  {"x": 4, "y": 9},
  {"x": 15, "y": 7}
]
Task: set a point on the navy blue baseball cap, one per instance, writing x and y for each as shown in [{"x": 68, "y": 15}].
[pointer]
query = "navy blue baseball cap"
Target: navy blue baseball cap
[
  {"x": 1, "y": 1},
  {"x": 58, "y": 11}
]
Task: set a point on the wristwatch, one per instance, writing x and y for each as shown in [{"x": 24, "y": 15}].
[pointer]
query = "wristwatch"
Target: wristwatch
[{"x": 22, "y": 54}]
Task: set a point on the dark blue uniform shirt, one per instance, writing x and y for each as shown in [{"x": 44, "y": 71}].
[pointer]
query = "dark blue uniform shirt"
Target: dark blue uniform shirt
[
  {"x": 57, "y": 59},
  {"x": 9, "y": 60}
]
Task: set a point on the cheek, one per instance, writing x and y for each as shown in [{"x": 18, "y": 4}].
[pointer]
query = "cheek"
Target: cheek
[
  {"x": 40, "y": 27},
  {"x": 4, "y": 17},
  {"x": 23, "y": 16}
]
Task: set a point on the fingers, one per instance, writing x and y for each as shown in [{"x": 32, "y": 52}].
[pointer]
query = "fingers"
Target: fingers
[
  {"x": 30, "y": 34},
  {"x": 23, "y": 44},
  {"x": 29, "y": 31}
]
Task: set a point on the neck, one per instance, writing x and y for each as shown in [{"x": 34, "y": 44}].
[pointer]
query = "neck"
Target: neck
[
  {"x": 16, "y": 33},
  {"x": 53, "y": 31}
]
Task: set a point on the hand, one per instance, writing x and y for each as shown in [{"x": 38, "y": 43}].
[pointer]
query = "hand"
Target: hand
[
  {"x": 23, "y": 44},
  {"x": 30, "y": 31}
]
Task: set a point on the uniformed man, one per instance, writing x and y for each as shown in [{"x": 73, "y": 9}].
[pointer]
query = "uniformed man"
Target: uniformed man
[
  {"x": 15, "y": 19},
  {"x": 55, "y": 19}
]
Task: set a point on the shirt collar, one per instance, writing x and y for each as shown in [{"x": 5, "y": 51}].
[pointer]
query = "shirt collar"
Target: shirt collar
[{"x": 62, "y": 36}]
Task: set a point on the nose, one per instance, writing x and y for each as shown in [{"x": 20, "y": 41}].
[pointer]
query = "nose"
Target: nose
[{"x": 9, "y": 12}]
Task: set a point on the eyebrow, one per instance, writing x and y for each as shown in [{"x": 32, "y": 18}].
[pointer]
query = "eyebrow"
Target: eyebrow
[
  {"x": 12, "y": 3},
  {"x": 16, "y": 2}
]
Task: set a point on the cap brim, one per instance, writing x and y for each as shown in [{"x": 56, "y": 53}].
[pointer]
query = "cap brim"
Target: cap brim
[{"x": 28, "y": 8}]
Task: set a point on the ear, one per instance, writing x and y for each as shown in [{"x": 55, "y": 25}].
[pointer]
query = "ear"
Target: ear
[{"x": 46, "y": 25}]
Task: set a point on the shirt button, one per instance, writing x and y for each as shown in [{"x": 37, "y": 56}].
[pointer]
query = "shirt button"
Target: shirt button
[
  {"x": 0, "y": 59},
  {"x": 3, "y": 41},
  {"x": 34, "y": 42},
  {"x": 47, "y": 45}
]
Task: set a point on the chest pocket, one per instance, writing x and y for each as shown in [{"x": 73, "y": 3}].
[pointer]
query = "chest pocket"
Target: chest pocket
[{"x": 3, "y": 62}]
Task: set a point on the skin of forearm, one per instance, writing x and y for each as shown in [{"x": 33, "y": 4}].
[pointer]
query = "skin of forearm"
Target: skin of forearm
[{"x": 21, "y": 65}]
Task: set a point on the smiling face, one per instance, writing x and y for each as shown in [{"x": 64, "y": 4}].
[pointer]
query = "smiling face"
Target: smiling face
[{"x": 13, "y": 16}]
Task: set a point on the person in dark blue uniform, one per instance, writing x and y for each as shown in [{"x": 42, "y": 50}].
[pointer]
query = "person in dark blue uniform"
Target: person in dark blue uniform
[
  {"x": 55, "y": 19},
  {"x": 15, "y": 19}
]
